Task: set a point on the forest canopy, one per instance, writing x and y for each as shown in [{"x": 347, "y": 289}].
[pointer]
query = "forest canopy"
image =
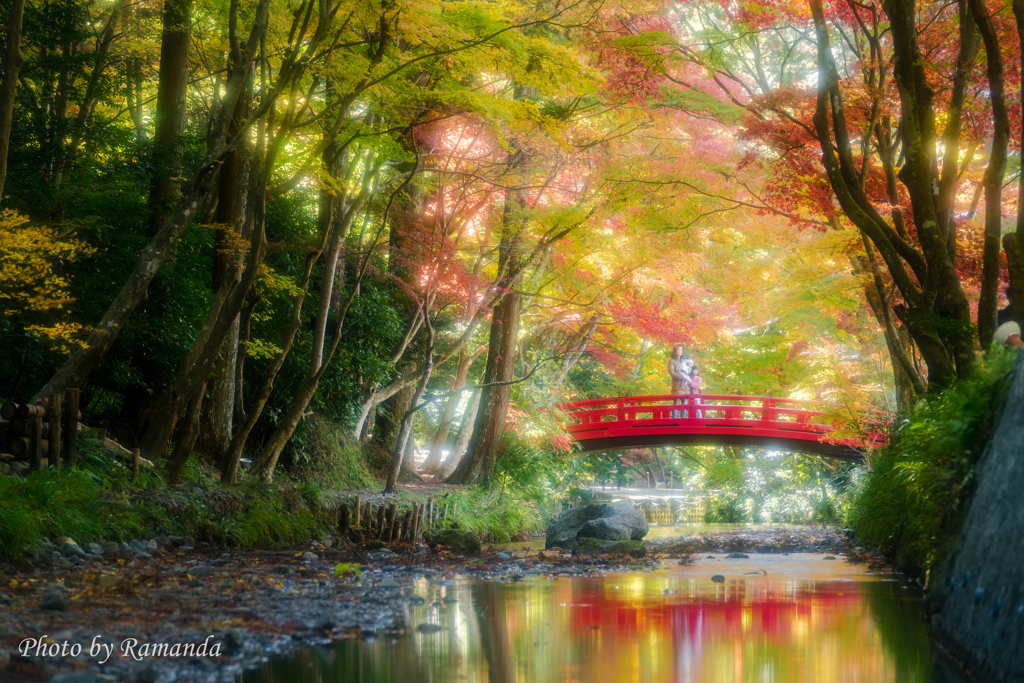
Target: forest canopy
[{"x": 432, "y": 223}]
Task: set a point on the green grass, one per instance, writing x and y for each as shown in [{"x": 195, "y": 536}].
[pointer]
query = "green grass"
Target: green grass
[
  {"x": 496, "y": 515},
  {"x": 912, "y": 502}
]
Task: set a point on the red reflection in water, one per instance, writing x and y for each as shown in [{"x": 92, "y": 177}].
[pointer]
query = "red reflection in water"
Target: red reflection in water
[{"x": 746, "y": 630}]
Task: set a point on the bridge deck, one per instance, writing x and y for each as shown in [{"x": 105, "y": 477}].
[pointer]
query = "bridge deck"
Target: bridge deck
[{"x": 634, "y": 421}]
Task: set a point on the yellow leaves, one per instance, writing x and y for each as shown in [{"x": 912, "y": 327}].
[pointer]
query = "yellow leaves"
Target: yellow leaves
[
  {"x": 229, "y": 242},
  {"x": 261, "y": 349},
  {"x": 31, "y": 285}
]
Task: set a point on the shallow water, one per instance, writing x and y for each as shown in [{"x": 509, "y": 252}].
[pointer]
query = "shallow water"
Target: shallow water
[{"x": 805, "y": 619}]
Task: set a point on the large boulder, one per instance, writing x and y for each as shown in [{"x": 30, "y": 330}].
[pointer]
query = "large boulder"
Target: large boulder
[
  {"x": 456, "y": 540},
  {"x": 618, "y": 521}
]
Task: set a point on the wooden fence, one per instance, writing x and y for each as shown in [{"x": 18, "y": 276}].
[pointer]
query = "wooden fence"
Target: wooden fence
[{"x": 41, "y": 435}]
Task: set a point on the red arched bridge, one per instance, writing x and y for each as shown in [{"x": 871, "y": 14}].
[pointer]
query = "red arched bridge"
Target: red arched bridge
[{"x": 633, "y": 421}]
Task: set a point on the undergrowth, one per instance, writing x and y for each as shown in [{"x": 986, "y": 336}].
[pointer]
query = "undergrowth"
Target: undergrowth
[
  {"x": 915, "y": 495},
  {"x": 99, "y": 501},
  {"x": 497, "y": 515}
]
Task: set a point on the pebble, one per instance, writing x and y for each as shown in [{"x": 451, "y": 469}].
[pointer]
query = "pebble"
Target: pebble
[
  {"x": 55, "y": 600},
  {"x": 504, "y": 555},
  {"x": 389, "y": 583},
  {"x": 829, "y": 557},
  {"x": 70, "y": 550},
  {"x": 326, "y": 620},
  {"x": 718, "y": 578},
  {"x": 310, "y": 557}
]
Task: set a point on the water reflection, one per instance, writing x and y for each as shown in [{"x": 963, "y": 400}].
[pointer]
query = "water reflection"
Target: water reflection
[{"x": 806, "y": 620}]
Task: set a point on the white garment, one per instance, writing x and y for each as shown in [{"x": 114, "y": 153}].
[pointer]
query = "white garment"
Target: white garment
[{"x": 1005, "y": 331}]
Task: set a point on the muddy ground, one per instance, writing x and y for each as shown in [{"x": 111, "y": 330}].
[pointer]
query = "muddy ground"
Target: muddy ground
[{"x": 116, "y": 613}]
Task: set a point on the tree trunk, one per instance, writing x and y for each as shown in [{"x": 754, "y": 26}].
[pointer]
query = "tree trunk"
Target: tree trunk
[
  {"x": 994, "y": 172},
  {"x": 229, "y": 471},
  {"x": 337, "y": 229},
  {"x": 232, "y": 214},
  {"x": 404, "y": 438},
  {"x": 936, "y": 312},
  {"x": 437, "y": 444},
  {"x": 462, "y": 438},
  {"x": 187, "y": 439},
  {"x": 13, "y": 61},
  {"x": 503, "y": 341},
  {"x": 389, "y": 416},
  {"x": 494, "y": 399},
  {"x": 169, "y": 117}
]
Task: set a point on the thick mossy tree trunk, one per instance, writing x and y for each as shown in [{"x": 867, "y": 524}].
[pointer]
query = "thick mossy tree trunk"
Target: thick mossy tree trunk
[
  {"x": 13, "y": 61},
  {"x": 935, "y": 310}
]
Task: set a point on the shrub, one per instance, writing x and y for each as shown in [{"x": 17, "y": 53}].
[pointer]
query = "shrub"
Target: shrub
[{"x": 913, "y": 499}]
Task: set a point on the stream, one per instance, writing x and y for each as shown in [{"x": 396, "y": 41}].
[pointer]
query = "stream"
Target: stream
[{"x": 771, "y": 618}]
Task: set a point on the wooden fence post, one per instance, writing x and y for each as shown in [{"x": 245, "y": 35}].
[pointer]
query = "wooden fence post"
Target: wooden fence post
[
  {"x": 36, "y": 452},
  {"x": 357, "y": 507},
  {"x": 344, "y": 518},
  {"x": 390, "y": 518},
  {"x": 71, "y": 428},
  {"x": 381, "y": 514},
  {"x": 55, "y": 442}
]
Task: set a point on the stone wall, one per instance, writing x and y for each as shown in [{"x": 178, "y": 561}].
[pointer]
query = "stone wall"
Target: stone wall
[{"x": 977, "y": 597}]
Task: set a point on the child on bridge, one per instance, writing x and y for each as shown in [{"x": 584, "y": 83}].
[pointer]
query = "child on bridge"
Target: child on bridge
[{"x": 679, "y": 371}]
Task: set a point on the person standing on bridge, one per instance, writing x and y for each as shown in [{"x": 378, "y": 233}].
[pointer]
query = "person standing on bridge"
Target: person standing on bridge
[
  {"x": 679, "y": 371},
  {"x": 695, "y": 386}
]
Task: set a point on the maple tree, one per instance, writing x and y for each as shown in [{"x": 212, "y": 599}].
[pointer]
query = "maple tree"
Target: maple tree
[
  {"x": 394, "y": 213},
  {"x": 882, "y": 74}
]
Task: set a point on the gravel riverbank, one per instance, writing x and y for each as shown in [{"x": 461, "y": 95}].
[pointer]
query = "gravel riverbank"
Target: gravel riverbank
[{"x": 177, "y": 611}]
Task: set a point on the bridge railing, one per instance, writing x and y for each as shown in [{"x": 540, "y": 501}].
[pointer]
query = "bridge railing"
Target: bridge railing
[{"x": 700, "y": 412}]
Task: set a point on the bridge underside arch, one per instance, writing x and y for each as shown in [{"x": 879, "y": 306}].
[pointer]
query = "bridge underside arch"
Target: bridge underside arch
[{"x": 774, "y": 442}]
